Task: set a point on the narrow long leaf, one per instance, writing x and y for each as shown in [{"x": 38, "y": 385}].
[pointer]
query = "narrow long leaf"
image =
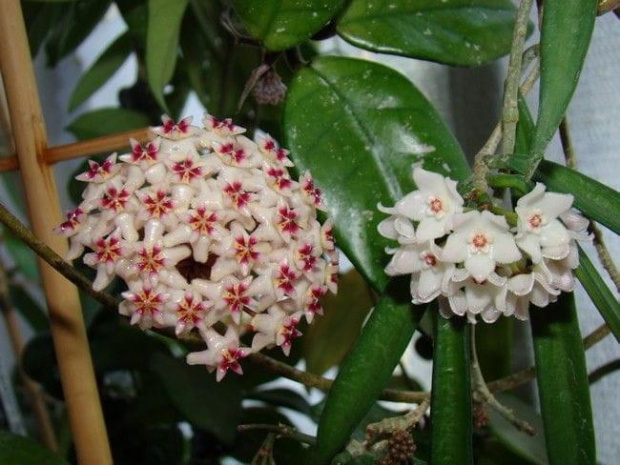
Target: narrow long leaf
[
  {"x": 367, "y": 369},
  {"x": 102, "y": 69},
  {"x": 563, "y": 383},
  {"x": 587, "y": 191},
  {"x": 565, "y": 37},
  {"x": 601, "y": 296},
  {"x": 451, "y": 418},
  {"x": 162, "y": 42}
]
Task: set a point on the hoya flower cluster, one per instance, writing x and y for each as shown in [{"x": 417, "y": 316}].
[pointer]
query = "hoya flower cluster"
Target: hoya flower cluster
[
  {"x": 475, "y": 259},
  {"x": 209, "y": 231}
]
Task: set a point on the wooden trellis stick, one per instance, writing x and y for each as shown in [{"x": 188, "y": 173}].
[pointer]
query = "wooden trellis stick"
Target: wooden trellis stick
[{"x": 67, "y": 325}]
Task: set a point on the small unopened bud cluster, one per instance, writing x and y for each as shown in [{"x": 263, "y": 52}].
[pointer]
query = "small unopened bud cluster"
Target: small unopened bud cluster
[
  {"x": 401, "y": 448},
  {"x": 475, "y": 259},
  {"x": 208, "y": 230}
]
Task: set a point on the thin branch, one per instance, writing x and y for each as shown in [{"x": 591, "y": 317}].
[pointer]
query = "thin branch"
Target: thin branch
[
  {"x": 599, "y": 243},
  {"x": 596, "y": 336},
  {"x": 82, "y": 282},
  {"x": 485, "y": 395},
  {"x": 604, "y": 256},
  {"x": 603, "y": 371},
  {"x": 52, "y": 258},
  {"x": 481, "y": 168},
  {"x": 405, "y": 422},
  {"x": 280, "y": 430},
  {"x": 510, "y": 113},
  {"x": 525, "y": 376}
]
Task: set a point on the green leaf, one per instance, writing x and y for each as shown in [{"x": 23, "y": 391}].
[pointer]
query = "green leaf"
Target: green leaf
[
  {"x": 282, "y": 398},
  {"x": 367, "y": 368},
  {"x": 563, "y": 383},
  {"x": 604, "y": 300},
  {"x": 162, "y": 42},
  {"x": 212, "y": 406},
  {"x": 102, "y": 69},
  {"x": 525, "y": 127},
  {"x": 282, "y": 24},
  {"x": 41, "y": 19},
  {"x": 23, "y": 257},
  {"x": 564, "y": 23},
  {"x": 28, "y": 308},
  {"x": 494, "y": 347},
  {"x": 451, "y": 415},
  {"x": 330, "y": 337},
  {"x": 359, "y": 127},
  {"x": 105, "y": 121},
  {"x": 587, "y": 191},
  {"x": 529, "y": 449},
  {"x": 17, "y": 450},
  {"x": 39, "y": 363},
  {"x": 74, "y": 25},
  {"x": 458, "y": 32}
]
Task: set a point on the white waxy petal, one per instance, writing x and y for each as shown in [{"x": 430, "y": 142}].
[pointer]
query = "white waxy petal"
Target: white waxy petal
[
  {"x": 387, "y": 229},
  {"x": 480, "y": 266},
  {"x": 505, "y": 250},
  {"x": 153, "y": 231},
  {"x": 178, "y": 236},
  {"x": 125, "y": 222}
]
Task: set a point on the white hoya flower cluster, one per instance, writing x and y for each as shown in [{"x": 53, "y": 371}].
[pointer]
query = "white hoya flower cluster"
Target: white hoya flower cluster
[
  {"x": 475, "y": 259},
  {"x": 207, "y": 228}
]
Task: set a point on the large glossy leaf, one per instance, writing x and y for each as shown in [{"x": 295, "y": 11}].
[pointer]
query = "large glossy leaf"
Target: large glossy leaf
[
  {"x": 162, "y": 42},
  {"x": 367, "y": 368},
  {"x": 282, "y": 24},
  {"x": 563, "y": 383},
  {"x": 588, "y": 192},
  {"x": 604, "y": 300},
  {"x": 106, "y": 121},
  {"x": 455, "y": 32},
  {"x": 102, "y": 69},
  {"x": 566, "y": 31},
  {"x": 359, "y": 127},
  {"x": 17, "y": 450},
  {"x": 451, "y": 415},
  {"x": 212, "y": 406},
  {"x": 330, "y": 337}
]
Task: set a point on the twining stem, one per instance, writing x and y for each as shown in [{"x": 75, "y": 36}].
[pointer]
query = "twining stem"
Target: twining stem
[
  {"x": 510, "y": 113},
  {"x": 287, "y": 371},
  {"x": 280, "y": 430},
  {"x": 482, "y": 391},
  {"x": 481, "y": 167},
  {"x": 599, "y": 243},
  {"x": 56, "y": 261}
]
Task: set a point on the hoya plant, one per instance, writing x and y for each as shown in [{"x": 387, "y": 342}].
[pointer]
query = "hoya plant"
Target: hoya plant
[{"x": 286, "y": 223}]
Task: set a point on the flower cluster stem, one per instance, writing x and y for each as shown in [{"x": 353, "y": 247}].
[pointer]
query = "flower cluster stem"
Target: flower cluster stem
[
  {"x": 280, "y": 430},
  {"x": 482, "y": 391}
]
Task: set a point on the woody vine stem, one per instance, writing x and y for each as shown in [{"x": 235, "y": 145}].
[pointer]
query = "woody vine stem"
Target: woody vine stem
[{"x": 307, "y": 379}]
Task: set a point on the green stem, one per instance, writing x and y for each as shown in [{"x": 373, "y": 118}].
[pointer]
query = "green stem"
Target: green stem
[{"x": 510, "y": 113}]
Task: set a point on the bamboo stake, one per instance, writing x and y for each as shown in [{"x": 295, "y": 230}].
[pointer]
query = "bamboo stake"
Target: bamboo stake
[
  {"x": 95, "y": 146},
  {"x": 67, "y": 325},
  {"x": 82, "y": 149}
]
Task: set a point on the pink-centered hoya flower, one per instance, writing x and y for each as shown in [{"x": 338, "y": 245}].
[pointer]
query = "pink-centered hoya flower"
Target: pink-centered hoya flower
[
  {"x": 211, "y": 234},
  {"x": 474, "y": 261}
]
